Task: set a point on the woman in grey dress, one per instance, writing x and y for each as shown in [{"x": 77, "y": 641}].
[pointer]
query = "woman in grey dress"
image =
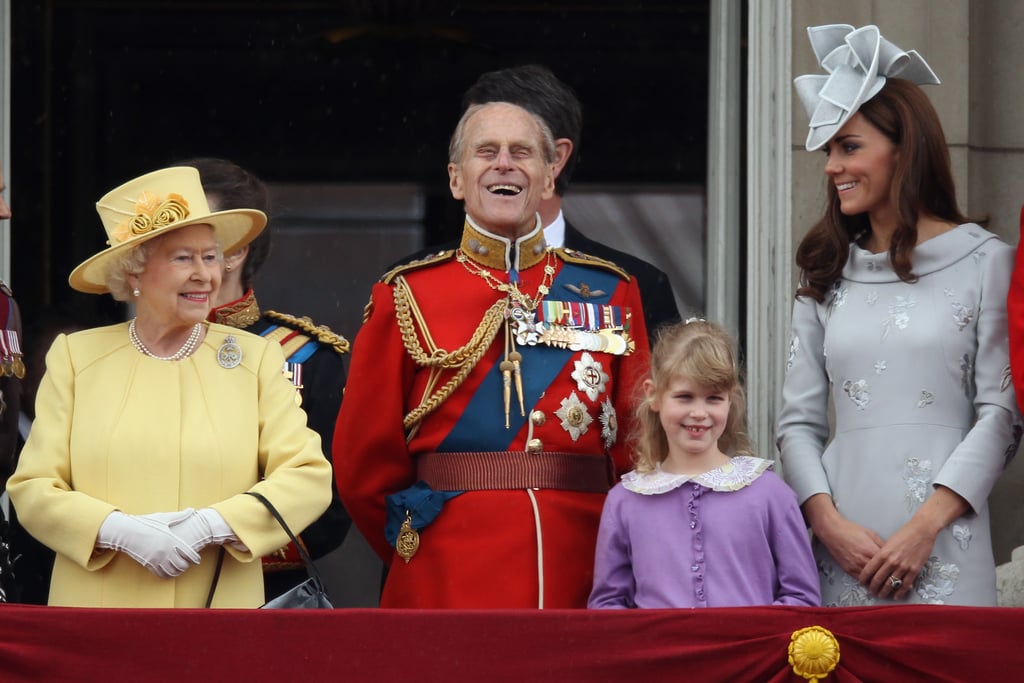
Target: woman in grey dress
[{"x": 900, "y": 319}]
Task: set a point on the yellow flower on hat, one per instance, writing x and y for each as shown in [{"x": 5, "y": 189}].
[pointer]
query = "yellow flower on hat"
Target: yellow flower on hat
[{"x": 150, "y": 213}]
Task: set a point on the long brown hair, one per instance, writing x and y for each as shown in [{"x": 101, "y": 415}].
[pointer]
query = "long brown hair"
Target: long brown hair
[
  {"x": 922, "y": 185},
  {"x": 703, "y": 353}
]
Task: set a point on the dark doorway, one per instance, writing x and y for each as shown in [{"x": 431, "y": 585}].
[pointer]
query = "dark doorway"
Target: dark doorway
[{"x": 321, "y": 92}]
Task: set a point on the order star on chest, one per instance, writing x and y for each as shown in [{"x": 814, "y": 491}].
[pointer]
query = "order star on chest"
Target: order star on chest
[{"x": 590, "y": 377}]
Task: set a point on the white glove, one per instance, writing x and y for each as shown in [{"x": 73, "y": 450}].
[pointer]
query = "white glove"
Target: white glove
[
  {"x": 149, "y": 542},
  {"x": 198, "y": 528}
]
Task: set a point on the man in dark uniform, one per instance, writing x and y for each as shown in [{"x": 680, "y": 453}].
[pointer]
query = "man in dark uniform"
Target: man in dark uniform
[
  {"x": 314, "y": 355},
  {"x": 12, "y": 366},
  {"x": 480, "y": 431},
  {"x": 12, "y": 370},
  {"x": 538, "y": 90}
]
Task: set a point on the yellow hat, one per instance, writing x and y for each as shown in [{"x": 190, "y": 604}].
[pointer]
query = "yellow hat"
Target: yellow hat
[{"x": 152, "y": 205}]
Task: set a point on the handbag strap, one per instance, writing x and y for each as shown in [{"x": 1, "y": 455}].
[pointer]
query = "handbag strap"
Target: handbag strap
[
  {"x": 311, "y": 569},
  {"x": 216, "y": 577}
]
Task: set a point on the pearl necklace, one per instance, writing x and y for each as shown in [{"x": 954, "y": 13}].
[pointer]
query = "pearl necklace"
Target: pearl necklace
[{"x": 185, "y": 351}]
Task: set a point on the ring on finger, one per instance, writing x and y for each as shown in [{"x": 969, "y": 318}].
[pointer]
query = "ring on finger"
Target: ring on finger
[{"x": 895, "y": 582}]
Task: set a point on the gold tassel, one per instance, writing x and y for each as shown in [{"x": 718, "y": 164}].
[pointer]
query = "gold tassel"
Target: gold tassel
[
  {"x": 517, "y": 370},
  {"x": 506, "y": 378}
]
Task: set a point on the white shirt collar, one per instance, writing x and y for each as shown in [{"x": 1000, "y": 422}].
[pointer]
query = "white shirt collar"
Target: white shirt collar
[{"x": 554, "y": 232}]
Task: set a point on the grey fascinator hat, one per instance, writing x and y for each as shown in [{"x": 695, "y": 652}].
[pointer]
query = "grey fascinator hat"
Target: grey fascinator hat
[{"x": 858, "y": 60}]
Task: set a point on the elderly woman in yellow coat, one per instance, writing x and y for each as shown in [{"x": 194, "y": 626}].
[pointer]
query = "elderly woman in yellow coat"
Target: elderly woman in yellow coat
[{"x": 149, "y": 433}]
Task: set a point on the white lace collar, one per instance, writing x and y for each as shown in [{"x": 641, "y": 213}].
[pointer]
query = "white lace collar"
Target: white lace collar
[{"x": 739, "y": 472}]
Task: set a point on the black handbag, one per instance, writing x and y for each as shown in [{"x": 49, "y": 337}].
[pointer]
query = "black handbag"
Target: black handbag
[
  {"x": 6, "y": 563},
  {"x": 310, "y": 594}
]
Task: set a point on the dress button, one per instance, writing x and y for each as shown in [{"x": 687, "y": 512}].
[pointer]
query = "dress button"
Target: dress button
[
  {"x": 538, "y": 417},
  {"x": 694, "y": 567},
  {"x": 534, "y": 446}
]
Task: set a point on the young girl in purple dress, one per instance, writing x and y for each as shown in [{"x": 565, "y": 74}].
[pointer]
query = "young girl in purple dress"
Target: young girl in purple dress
[{"x": 700, "y": 522}]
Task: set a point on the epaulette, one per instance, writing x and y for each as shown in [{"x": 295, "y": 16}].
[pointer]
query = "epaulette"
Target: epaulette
[
  {"x": 321, "y": 333},
  {"x": 578, "y": 257},
  {"x": 429, "y": 260},
  {"x": 5, "y": 289}
]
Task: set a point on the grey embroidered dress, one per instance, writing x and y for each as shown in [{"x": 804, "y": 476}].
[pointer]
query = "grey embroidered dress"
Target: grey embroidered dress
[{"x": 918, "y": 375}]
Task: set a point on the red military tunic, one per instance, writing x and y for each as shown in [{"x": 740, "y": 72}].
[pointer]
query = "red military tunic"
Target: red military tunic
[
  {"x": 1015, "y": 319},
  {"x": 528, "y": 547}
]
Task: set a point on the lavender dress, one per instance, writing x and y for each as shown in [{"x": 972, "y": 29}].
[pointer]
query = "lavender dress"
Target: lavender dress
[
  {"x": 730, "y": 537},
  {"x": 918, "y": 375}
]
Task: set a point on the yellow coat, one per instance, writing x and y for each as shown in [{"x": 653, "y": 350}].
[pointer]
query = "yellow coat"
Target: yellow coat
[{"x": 115, "y": 429}]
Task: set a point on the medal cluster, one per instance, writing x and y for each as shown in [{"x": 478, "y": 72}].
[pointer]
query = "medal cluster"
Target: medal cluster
[{"x": 11, "y": 362}]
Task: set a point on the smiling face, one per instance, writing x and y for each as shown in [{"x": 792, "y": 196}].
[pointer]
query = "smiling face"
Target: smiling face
[
  {"x": 181, "y": 277},
  {"x": 860, "y": 164},
  {"x": 503, "y": 168},
  {"x": 694, "y": 418}
]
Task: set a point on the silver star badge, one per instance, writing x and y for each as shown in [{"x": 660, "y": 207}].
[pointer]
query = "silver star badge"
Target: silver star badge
[
  {"x": 609, "y": 423},
  {"x": 590, "y": 376},
  {"x": 574, "y": 415}
]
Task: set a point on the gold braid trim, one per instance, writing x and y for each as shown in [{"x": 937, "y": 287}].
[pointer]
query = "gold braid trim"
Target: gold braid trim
[
  {"x": 321, "y": 333},
  {"x": 573, "y": 256},
  {"x": 464, "y": 358},
  {"x": 368, "y": 310},
  {"x": 428, "y": 260}
]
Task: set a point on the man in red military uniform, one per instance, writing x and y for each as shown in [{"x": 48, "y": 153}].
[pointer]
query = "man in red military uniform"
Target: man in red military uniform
[{"x": 489, "y": 387}]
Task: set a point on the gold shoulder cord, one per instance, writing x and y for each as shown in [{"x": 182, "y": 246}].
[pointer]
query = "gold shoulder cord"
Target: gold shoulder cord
[
  {"x": 464, "y": 358},
  {"x": 322, "y": 333}
]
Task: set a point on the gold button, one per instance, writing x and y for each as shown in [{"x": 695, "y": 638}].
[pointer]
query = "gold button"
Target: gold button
[
  {"x": 538, "y": 417},
  {"x": 534, "y": 446}
]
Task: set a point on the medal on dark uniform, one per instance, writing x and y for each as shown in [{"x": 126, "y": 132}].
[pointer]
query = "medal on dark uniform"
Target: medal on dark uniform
[
  {"x": 408, "y": 541},
  {"x": 293, "y": 372},
  {"x": 6, "y": 365},
  {"x": 17, "y": 362},
  {"x": 229, "y": 355}
]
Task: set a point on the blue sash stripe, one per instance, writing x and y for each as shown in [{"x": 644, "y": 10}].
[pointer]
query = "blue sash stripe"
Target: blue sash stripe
[
  {"x": 302, "y": 354},
  {"x": 482, "y": 425}
]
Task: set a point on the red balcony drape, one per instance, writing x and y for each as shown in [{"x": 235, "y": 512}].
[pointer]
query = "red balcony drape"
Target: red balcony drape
[{"x": 877, "y": 644}]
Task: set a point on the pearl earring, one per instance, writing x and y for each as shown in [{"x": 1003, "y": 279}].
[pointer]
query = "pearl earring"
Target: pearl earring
[
  {"x": 227, "y": 267},
  {"x": 136, "y": 292}
]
